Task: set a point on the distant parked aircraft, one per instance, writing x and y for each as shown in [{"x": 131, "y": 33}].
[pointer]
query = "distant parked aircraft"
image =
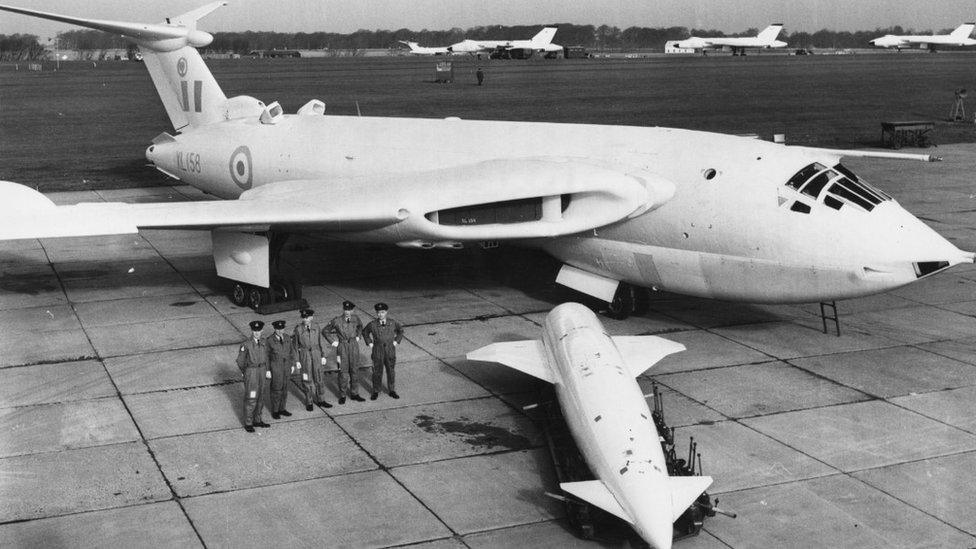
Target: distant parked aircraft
[
  {"x": 958, "y": 37},
  {"x": 765, "y": 39},
  {"x": 540, "y": 43},
  {"x": 417, "y": 49}
]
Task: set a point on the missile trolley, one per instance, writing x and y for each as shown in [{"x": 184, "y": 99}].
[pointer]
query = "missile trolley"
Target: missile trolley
[
  {"x": 589, "y": 521},
  {"x": 605, "y": 411}
]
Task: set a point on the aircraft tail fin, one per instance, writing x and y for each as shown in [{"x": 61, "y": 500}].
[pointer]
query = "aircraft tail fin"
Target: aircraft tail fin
[
  {"x": 544, "y": 36},
  {"x": 684, "y": 492},
  {"x": 528, "y": 357},
  {"x": 185, "y": 85},
  {"x": 642, "y": 352},
  {"x": 963, "y": 31},
  {"x": 411, "y": 45},
  {"x": 770, "y": 33}
]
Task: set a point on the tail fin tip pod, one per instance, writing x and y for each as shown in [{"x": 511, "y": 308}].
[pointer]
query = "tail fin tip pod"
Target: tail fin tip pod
[{"x": 185, "y": 85}]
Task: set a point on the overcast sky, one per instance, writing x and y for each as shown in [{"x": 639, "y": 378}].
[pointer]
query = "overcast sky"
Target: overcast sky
[{"x": 349, "y": 15}]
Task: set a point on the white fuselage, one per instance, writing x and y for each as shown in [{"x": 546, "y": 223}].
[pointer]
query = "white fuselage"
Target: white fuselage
[
  {"x": 609, "y": 418},
  {"x": 728, "y": 232},
  {"x": 904, "y": 41}
]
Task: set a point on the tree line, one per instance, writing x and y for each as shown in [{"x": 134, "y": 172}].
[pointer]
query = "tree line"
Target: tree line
[{"x": 602, "y": 37}]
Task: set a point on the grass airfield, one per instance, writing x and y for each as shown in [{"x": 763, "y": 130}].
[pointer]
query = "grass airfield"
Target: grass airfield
[
  {"x": 88, "y": 128},
  {"x": 120, "y": 403}
]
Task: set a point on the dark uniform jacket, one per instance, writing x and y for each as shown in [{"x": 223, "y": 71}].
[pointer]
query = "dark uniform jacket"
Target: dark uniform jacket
[
  {"x": 382, "y": 337},
  {"x": 308, "y": 344},
  {"x": 342, "y": 331},
  {"x": 281, "y": 354},
  {"x": 252, "y": 355}
]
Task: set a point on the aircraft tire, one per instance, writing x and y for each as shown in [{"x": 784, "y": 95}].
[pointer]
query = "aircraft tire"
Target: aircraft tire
[
  {"x": 256, "y": 297},
  {"x": 238, "y": 294},
  {"x": 622, "y": 305}
]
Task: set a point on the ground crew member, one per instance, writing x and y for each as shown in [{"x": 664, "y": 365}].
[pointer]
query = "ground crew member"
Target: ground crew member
[
  {"x": 253, "y": 363},
  {"x": 480, "y": 75},
  {"x": 383, "y": 335},
  {"x": 281, "y": 360},
  {"x": 343, "y": 333},
  {"x": 310, "y": 360}
]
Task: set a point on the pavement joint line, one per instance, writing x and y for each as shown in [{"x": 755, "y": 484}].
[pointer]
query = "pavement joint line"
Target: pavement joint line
[
  {"x": 386, "y": 471},
  {"x": 51, "y": 361},
  {"x": 935, "y": 419},
  {"x": 917, "y": 346},
  {"x": 906, "y": 503},
  {"x": 83, "y": 512},
  {"x": 118, "y": 394}
]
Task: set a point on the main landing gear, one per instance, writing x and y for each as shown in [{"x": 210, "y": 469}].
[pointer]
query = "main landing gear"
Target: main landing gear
[
  {"x": 283, "y": 294},
  {"x": 629, "y": 300}
]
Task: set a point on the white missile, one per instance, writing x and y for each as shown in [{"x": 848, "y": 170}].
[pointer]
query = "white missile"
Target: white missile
[{"x": 594, "y": 375}]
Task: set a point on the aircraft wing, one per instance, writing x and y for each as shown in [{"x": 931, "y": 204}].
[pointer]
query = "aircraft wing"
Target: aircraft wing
[
  {"x": 491, "y": 200},
  {"x": 642, "y": 352},
  {"x": 26, "y": 213}
]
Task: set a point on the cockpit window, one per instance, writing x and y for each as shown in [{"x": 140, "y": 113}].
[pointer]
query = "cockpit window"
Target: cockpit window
[
  {"x": 841, "y": 184},
  {"x": 817, "y": 184},
  {"x": 804, "y": 175}
]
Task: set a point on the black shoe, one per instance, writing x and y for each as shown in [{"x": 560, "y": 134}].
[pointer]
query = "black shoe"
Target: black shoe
[
  {"x": 285, "y": 413},
  {"x": 342, "y": 400},
  {"x": 262, "y": 424},
  {"x": 249, "y": 429},
  {"x": 394, "y": 395},
  {"x": 325, "y": 404},
  {"x": 275, "y": 416},
  {"x": 374, "y": 396},
  {"x": 308, "y": 407},
  {"x": 358, "y": 398}
]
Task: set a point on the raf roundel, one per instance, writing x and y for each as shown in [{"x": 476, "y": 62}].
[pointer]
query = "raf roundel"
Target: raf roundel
[
  {"x": 181, "y": 66},
  {"x": 240, "y": 167}
]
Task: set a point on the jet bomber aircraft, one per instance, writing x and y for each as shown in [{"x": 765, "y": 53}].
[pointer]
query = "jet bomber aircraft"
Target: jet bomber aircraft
[{"x": 623, "y": 208}]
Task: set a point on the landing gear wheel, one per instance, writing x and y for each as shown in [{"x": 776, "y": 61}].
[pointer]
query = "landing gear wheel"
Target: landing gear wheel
[
  {"x": 238, "y": 295},
  {"x": 257, "y": 297},
  {"x": 281, "y": 291},
  {"x": 622, "y": 305}
]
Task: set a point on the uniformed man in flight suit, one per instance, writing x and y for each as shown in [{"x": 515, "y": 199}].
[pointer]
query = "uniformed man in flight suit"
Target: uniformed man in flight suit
[
  {"x": 281, "y": 360},
  {"x": 343, "y": 333},
  {"x": 383, "y": 335},
  {"x": 253, "y": 363},
  {"x": 310, "y": 360}
]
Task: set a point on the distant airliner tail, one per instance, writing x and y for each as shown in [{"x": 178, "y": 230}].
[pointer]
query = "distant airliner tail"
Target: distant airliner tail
[
  {"x": 185, "y": 85},
  {"x": 770, "y": 33},
  {"x": 544, "y": 36},
  {"x": 963, "y": 31}
]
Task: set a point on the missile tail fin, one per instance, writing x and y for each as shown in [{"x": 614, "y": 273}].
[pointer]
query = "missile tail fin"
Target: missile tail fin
[
  {"x": 642, "y": 352},
  {"x": 596, "y": 493},
  {"x": 528, "y": 357},
  {"x": 684, "y": 491}
]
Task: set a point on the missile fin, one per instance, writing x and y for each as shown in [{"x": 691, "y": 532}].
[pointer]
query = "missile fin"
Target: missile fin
[
  {"x": 528, "y": 357},
  {"x": 596, "y": 493},
  {"x": 684, "y": 491},
  {"x": 642, "y": 352}
]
